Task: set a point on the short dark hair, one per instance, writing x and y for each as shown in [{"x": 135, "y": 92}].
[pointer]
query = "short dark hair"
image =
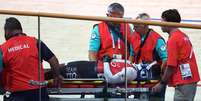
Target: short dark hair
[
  {"x": 12, "y": 24},
  {"x": 171, "y": 15},
  {"x": 115, "y": 6}
]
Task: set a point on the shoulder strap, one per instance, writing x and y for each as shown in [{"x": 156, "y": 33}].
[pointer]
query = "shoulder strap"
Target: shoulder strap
[{"x": 141, "y": 45}]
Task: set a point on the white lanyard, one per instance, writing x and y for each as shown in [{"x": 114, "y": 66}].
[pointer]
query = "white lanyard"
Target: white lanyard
[
  {"x": 119, "y": 46},
  {"x": 113, "y": 43}
]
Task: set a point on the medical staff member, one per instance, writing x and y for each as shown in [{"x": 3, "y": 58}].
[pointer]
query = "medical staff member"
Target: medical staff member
[
  {"x": 182, "y": 70},
  {"x": 21, "y": 64},
  {"x": 149, "y": 46},
  {"x": 107, "y": 38}
]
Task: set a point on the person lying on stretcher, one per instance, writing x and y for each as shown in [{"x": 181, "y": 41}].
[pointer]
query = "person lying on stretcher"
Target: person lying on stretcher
[{"x": 113, "y": 70}]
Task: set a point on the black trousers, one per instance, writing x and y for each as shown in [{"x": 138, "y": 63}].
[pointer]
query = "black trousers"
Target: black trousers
[
  {"x": 79, "y": 69},
  {"x": 29, "y": 95},
  {"x": 158, "y": 96}
]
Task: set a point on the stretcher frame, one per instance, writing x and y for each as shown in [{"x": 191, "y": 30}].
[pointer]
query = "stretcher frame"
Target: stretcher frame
[{"x": 93, "y": 86}]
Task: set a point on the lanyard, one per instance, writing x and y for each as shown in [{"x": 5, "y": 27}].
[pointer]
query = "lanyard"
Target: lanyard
[{"x": 113, "y": 42}]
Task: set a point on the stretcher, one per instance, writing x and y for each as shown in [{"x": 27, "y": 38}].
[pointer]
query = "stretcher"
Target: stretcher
[
  {"x": 79, "y": 83},
  {"x": 105, "y": 91}
]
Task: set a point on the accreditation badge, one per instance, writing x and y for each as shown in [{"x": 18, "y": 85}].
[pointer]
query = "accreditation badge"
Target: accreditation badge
[{"x": 185, "y": 71}]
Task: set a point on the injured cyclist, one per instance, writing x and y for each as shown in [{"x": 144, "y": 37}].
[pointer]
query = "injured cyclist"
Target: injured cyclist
[{"x": 113, "y": 70}]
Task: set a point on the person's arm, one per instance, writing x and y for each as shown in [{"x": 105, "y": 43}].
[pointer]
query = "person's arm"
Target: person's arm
[
  {"x": 47, "y": 55},
  {"x": 169, "y": 70},
  {"x": 163, "y": 66},
  {"x": 93, "y": 56},
  {"x": 94, "y": 44},
  {"x": 131, "y": 59},
  {"x": 54, "y": 64},
  {"x": 172, "y": 51},
  {"x": 162, "y": 52}
]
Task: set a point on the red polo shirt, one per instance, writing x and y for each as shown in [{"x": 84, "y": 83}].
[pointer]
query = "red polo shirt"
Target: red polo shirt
[{"x": 179, "y": 50}]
